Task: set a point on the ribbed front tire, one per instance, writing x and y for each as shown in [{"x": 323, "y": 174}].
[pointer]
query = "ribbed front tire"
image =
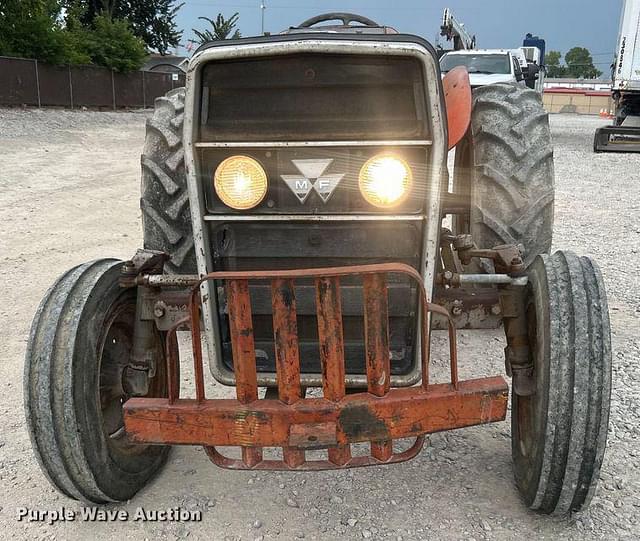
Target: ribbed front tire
[
  {"x": 559, "y": 433},
  {"x": 79, "y": 346}
]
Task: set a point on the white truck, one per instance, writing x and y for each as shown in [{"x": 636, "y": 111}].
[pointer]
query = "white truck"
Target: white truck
[
  {"x": 624, "y": 134},
  {"x": 485, "y": 66}
]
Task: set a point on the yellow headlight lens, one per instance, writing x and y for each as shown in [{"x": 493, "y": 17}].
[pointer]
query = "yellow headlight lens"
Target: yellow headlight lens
[
  {"x": 240, "y": 182},
  {"x": 385, "y": 180}
]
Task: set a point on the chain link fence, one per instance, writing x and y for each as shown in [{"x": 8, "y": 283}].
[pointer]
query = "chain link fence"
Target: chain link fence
[{"x": 29, "y": 82}]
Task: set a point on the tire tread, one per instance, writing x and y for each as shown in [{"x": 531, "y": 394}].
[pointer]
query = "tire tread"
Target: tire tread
[
  {"x": 166, "y": 216},
  {"x": 562, "y": 470},
  {"x": 60, "y": 412},
  {"x": 512, "y": 177}
]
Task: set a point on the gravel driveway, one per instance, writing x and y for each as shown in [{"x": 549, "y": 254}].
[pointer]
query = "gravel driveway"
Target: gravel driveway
[{"x": 69, "y": 186}]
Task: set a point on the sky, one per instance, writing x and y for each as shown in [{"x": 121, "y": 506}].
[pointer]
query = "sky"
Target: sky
[{"x": 496, "y": 23}]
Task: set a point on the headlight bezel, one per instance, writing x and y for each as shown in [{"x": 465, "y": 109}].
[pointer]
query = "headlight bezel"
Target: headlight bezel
[
  {"x": 258, "y": 175},
  {"x": 367, "y": 191}
]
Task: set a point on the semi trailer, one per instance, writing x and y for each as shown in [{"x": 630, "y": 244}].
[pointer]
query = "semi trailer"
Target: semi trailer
[{"x": 624, "y": 134}]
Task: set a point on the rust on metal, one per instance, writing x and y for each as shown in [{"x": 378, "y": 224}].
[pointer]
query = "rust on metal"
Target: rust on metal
[
  {"x": 479, "y": 308},
  {"x": 329, "y": 312},
  {"x": 244, "y": 358},
  {"x": 285, "y": 332},
  {"x": 313, "y": 435},
  {"x": 358, "y": 417},
  {"x": 331, "y": 340},
  {"x": 172, "y": 354},
  {"x": 196, "y": 344},
  {"x": 296, "y": 424},
  {"x": 376, "y": 336},
  {"x": 225, "y": 462}
]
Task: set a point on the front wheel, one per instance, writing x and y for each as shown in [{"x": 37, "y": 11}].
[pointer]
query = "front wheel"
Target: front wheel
[
  {"x": 78, "y": 350},
  {"x": 559, "y": 433}
]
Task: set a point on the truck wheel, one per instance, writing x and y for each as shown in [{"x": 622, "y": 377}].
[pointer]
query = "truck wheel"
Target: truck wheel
[
  {"x": 559, "y": 433},
  {"x": 78, "y": 348},
  {"x": 504, "y": 169},
  {"x": 166, "y": 217}
]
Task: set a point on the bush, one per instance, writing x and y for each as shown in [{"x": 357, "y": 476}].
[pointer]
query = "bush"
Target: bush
[
  {"x": 32, "y": 29},
  {"x": 28, "y": 28},
  {"x": 110, "y": 43}
]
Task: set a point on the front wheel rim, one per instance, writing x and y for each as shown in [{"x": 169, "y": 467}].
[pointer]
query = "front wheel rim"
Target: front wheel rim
[{"x": 114, "y": 351}]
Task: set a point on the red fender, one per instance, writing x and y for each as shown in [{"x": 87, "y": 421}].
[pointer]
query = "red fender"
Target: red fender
[{"x": 457, "y": 97}]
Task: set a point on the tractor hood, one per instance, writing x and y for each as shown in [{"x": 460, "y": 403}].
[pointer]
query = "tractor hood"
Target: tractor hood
[{"x": 309, "y": 113}]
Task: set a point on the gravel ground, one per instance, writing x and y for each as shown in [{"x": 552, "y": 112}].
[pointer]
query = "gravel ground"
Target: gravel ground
[{"x": 69, "y": 193}]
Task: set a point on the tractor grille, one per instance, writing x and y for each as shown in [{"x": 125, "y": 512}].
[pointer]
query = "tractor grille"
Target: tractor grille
[
  {"x": 309, "y": 97},
  {"x": 261, "y": 245}
]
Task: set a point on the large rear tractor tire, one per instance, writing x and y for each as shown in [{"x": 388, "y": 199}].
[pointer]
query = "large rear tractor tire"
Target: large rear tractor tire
[
  {"x": 504, "y": 169},
  {"x": 559, "y": 433},
  {"x": 166, "y": 217},
  {"x": 78, "y": 349}
]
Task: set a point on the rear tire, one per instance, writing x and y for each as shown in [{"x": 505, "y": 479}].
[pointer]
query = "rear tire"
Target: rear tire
[
  {"x": 166, "y": 216},
  {"x": 504, "y": 168},
  {"x": 78, "y": 347},
  {"x": 559, "y": 433}
]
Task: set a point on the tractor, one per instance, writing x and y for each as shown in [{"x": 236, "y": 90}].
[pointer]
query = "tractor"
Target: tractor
[{"x": 301, "y": 226}]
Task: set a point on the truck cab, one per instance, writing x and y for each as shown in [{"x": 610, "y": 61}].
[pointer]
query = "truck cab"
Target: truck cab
[{"x": 485, "y": 66}]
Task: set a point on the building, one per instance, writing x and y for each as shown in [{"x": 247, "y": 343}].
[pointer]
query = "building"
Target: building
[{"x": 166, "y": 63}]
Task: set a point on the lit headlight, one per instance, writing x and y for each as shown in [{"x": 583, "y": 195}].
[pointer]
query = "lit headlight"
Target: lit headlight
[
  {"x": 385, "y": 180},
  {"x": 240, "y": 182}
]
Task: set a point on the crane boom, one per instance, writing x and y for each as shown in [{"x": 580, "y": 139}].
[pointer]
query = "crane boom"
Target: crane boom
[{"x": 454, "y": 30}]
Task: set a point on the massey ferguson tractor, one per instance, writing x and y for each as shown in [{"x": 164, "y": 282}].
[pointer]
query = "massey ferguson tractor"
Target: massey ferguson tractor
[{"x": 299, "y": 222}]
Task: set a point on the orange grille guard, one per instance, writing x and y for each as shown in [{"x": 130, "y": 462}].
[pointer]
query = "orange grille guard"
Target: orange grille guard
[{"x": 378, "y": 415}]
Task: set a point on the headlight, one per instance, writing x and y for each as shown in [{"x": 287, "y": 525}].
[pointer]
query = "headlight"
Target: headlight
[
  {"x": 385, "y": 180},
  {"x": 240, "y": 182}
]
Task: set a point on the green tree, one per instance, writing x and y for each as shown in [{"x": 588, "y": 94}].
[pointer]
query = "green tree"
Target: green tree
[
  {"x": 221, "y": 28},
  {"x": 552, "y": 63},
  {"x": 111, "y": 43},
  {"x": 35, "y": 29},
  {"x": 31, "y": 29},
  {"x": 580, "y": 64},
  {"x": 153, "y": 21}
]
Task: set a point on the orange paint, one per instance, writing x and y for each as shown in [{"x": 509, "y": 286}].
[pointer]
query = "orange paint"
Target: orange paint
[{"x": 457, "y": 96}]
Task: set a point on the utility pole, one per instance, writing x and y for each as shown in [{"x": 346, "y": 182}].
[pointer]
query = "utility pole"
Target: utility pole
[{"x": 262, "y": 9}]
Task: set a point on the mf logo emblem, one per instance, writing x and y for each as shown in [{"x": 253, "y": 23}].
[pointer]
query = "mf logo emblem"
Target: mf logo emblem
[{"x": 312, "y": 177}]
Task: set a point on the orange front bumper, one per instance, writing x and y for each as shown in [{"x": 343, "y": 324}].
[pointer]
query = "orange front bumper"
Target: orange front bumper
[{"x": 296, "y": 424}]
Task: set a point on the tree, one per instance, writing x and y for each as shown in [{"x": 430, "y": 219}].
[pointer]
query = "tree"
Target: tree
[
  {"x": 31, "y": 29},
  {"x": 112, "y": 44},
  {"x": 36, "y": 29},
  {"x": 552, "y": 63},
  {"x": 153, "y": 21},
  {"x": 221, "y": 28},
  {"x": 580, "y": 64}
]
